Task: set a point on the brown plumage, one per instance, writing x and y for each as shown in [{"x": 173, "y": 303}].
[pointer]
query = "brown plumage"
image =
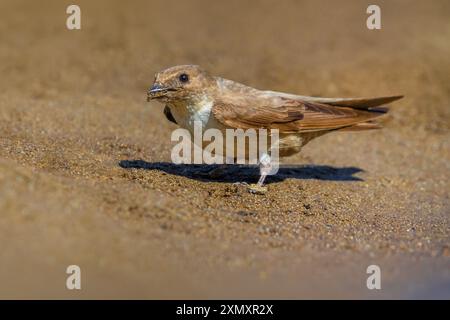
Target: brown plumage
[
  {"x": 293, "y": 116},
  {"x": 191, "y": 94}
]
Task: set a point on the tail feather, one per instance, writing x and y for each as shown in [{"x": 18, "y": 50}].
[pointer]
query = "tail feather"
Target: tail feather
[
  {"x": 373, "y": 105},
  {"x": 322, "y": 118}
]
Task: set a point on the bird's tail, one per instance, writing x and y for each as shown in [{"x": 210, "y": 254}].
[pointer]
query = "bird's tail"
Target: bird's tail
[{"x": 376, "y": 105}]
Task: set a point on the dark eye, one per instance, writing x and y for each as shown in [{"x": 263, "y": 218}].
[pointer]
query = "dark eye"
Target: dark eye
[{"x": 184, "y": 77}]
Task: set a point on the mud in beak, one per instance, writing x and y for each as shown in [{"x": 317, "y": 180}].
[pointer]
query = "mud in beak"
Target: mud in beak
[{"x": 157, "y": 91}]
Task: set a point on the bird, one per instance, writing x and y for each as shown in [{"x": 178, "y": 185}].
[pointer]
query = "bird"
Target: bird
[{"x": 192, "y": 95}]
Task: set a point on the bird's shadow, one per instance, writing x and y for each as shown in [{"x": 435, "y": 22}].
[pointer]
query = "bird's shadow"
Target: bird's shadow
[{"x": 239, "y": 173}]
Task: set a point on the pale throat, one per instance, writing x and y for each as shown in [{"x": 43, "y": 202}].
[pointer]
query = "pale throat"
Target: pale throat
[{"x": 188, "y": 111}]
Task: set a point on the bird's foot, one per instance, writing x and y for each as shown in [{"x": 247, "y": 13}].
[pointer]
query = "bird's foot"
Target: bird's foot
[{"x": 257, "y": 188}]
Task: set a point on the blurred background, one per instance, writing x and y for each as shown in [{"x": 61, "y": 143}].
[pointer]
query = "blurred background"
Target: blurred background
[{"x": 72, "y": 109}]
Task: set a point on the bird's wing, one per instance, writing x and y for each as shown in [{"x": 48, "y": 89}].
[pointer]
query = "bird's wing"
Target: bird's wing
[
  {"x": 356, "y": 103},
  {"x": 287, "y": 115},
  {"x": 249, "y": 116}
]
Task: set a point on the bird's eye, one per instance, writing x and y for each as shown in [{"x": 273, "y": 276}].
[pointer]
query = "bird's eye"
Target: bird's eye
[{"x": 184, "y": 77}]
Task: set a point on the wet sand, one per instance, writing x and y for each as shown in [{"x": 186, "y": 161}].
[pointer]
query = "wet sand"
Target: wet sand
[{"x": 86, "y": 177}]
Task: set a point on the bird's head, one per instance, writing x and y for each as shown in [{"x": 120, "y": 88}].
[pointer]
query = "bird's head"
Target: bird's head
[{"x": 180, "y": 83}]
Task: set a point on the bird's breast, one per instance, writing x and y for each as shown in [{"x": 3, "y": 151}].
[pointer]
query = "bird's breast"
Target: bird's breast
[{"x": 199, "y": 111}]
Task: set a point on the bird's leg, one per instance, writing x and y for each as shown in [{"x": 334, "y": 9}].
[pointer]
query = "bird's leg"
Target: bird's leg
[{"x": 265, "y": 167}]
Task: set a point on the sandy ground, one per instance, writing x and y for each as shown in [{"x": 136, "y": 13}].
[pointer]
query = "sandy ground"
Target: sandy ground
[{"x": 86, "y": 178}]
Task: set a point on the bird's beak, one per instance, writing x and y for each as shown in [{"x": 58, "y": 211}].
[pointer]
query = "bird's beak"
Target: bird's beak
[{"x": 157, "y": 91}]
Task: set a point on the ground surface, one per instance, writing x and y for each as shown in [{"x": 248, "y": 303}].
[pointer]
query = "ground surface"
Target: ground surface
[{"x": 86, "y": 178}]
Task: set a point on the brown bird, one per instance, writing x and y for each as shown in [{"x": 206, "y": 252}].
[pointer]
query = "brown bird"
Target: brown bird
[{"x": 191, "y": 94}]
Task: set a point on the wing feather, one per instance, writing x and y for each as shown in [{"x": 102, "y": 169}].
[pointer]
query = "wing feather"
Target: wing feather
[
  {"x": 357, "y": 103},
  {"x": 289, "y": 115}
]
